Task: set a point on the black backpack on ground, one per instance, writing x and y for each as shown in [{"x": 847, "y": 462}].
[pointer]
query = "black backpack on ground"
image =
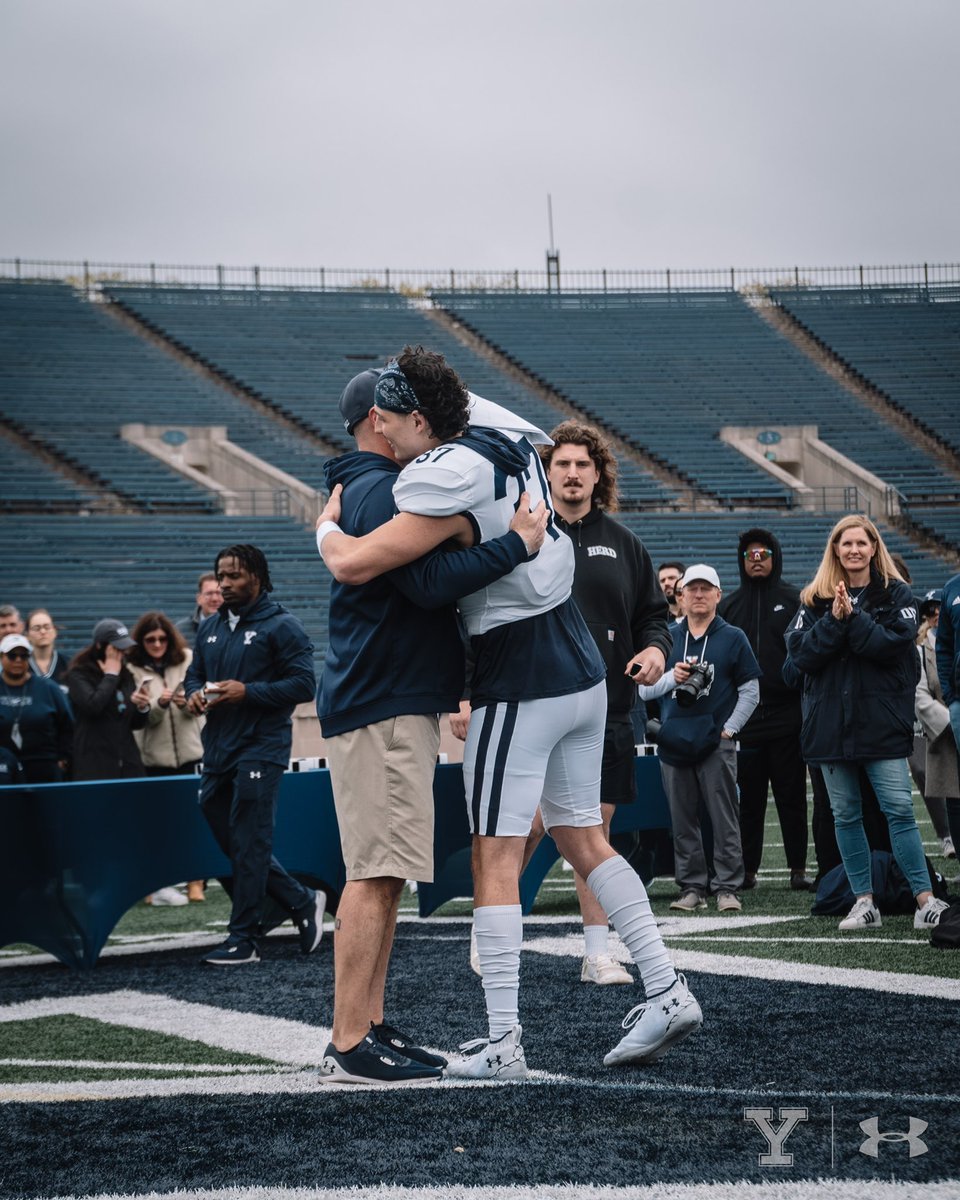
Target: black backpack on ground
[{"x": 946, "y": 933}]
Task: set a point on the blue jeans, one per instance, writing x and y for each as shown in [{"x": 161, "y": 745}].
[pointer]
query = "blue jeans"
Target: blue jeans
[{"x": 890, "y": 778}]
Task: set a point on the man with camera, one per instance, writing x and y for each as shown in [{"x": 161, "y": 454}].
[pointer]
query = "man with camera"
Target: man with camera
[{"x": 706, "y": 696}]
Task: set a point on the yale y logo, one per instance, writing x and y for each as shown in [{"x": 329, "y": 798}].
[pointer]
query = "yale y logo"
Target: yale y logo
[
  {"x": 789, "y": 1119},
  {"x": 248, "y": 636},
  {"x": 871, "y": 1128}
]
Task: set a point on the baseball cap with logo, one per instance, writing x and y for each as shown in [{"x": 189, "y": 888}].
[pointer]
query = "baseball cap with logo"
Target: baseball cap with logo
[
  {"x": 702, "y": 572},
  {"x": 356, "y": 399},
  {"x": 14, "y": 641},
  {"x": 115, "y": 633}
]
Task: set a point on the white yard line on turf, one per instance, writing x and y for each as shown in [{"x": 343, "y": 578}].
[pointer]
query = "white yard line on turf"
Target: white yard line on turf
[
  {"x": 774, "y": 969},
  {"x": 776, "y": 1189},
  {"x": 97, "y": 1064}
]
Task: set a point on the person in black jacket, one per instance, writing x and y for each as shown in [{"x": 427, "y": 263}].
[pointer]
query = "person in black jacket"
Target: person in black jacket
[
  {"x": 763, "y": 607},
  {"x": 853, "y": 639},
  {"x": 107, "y": 706},
  {"x": 252, "y": 664}
]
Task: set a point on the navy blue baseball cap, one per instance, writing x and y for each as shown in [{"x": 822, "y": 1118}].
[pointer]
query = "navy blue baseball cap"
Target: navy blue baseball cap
[{"x": 356, "y": 399}]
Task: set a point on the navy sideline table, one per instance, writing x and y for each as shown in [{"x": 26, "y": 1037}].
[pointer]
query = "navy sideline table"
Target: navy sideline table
[{"x": 74, "y": 857}]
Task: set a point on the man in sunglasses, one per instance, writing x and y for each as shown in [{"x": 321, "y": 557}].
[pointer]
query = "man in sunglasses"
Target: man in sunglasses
[{"x": 763, "y": 607}]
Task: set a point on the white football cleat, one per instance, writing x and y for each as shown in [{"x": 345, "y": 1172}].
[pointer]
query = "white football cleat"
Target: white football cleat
[
  {"x": 499, "y": 1060},
  {"x": 656, "y": 1026},
  {"x": 168, "y": 896}
]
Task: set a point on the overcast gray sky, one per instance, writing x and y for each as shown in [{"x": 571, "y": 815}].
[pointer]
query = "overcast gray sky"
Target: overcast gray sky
[{"x": 427, "y": 133}]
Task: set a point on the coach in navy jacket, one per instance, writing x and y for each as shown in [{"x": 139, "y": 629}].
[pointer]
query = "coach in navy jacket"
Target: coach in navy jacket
[{"x": 395, "y": 644}]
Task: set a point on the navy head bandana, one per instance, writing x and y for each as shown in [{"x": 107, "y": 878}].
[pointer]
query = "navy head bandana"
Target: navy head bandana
[{"x": 393, "y": 391}]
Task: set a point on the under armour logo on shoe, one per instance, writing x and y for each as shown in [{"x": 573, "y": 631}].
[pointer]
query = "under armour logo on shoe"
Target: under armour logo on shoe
[
  {"x": 674, "y": 1003},
  {"x": 254, "y": 774},
  {"x": 495, "y": 1062},
  {"x": 871, "y": 1146}
]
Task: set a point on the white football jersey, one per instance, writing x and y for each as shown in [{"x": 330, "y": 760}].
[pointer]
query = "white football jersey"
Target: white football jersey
[{"x": 465, "y": 476}]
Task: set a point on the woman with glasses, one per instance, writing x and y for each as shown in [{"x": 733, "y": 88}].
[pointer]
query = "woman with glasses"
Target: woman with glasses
[
  {"x": 45, "y": 660},
  {"x": 170, "y": 741},
  {"x": 853, "y": 639},
  {"x": 107, "y": 705},
  {"x": 36, "y": 724}
]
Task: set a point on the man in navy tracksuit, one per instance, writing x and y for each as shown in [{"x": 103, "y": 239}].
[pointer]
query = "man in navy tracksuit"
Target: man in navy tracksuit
[{"x": 252, "y": 665}]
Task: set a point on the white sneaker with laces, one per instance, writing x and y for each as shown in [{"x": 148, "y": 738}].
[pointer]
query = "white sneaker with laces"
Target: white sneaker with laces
[
  {"x": 168, "y": 896},
  {"x": 929, "y": 915},
  {"x": 949, "y": 850},
  {"x": 603, "y": 969},
  {"x": 863, "y": 915},
  {"x": 656, "y": 1026},
  {"x": 499, "y": 1060}
]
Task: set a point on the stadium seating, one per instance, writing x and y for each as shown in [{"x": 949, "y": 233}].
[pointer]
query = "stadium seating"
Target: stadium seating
[
  {"x": 669, "y": 370},
  {"x": 713, "y": 537},
  {"x": 905, "y": 341},
  {"x": 85, "y": 568},
  {"x": 70, "y": 376},
  {"x": 29, "y": 484},
  {"x": 295, "y": 351}
]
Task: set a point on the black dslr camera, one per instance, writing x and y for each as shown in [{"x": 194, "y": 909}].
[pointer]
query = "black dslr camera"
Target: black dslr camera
[{"x": 689, "y": 692}]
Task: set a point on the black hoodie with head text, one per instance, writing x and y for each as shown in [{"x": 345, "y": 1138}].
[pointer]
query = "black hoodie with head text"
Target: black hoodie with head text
[{"x": 763, "y": 609}]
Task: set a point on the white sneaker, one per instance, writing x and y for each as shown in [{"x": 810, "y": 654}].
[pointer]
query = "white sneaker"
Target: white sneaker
[
  {"x": 603, "y": 969},
  {"x": 474, "y": 952},
  {"x": 863, "y": 915},
  {"x": 929, "y": 915},
  {"x": 690, "y": 901},
  {"x": 502, "y": 1059},
  {"x": 656, "y": 1026},
  {"x": 949, "y": 850},
  {"x": 168, "y": 896}
]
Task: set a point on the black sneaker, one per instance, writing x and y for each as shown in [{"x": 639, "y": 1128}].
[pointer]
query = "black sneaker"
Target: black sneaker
[
  {"x": 310, "y": 923},
  {"x": 372, "y": 1062},
  {"x": 386, "y": 1035},
  {"x": 233, "y": 951}
]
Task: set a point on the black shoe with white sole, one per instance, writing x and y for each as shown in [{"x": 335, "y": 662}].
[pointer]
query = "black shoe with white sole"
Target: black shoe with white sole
[
  {"x": 373, "y": 1062},
  {"x": 233, "y": 952}
]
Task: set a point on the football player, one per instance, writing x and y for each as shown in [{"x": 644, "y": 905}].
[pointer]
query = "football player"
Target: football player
[{"x": 538, "y": 694}]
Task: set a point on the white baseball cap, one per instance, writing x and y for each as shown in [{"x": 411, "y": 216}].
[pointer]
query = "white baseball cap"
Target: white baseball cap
[
  {"x": 14, "y": 641},
  {"x": 700, "y": 571}
]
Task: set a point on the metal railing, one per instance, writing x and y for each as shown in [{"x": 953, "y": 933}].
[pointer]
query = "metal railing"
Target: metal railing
[{"x": 418, "y": 282}]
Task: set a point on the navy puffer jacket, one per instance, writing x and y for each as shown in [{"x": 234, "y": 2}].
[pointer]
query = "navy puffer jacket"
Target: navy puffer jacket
[{"x": 860, "y": 675}]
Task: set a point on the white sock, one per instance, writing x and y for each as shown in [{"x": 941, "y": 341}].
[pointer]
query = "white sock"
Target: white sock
[
  {"x": 499, "y": 929},
  {"x": 623, "y": 898},
  {"x": 595, "y": 940}
]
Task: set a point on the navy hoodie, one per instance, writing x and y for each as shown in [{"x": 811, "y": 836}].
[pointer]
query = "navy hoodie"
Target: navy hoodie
[
  {"x": 269, "y": 652},
  {"x": 395, "y": 646}
]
